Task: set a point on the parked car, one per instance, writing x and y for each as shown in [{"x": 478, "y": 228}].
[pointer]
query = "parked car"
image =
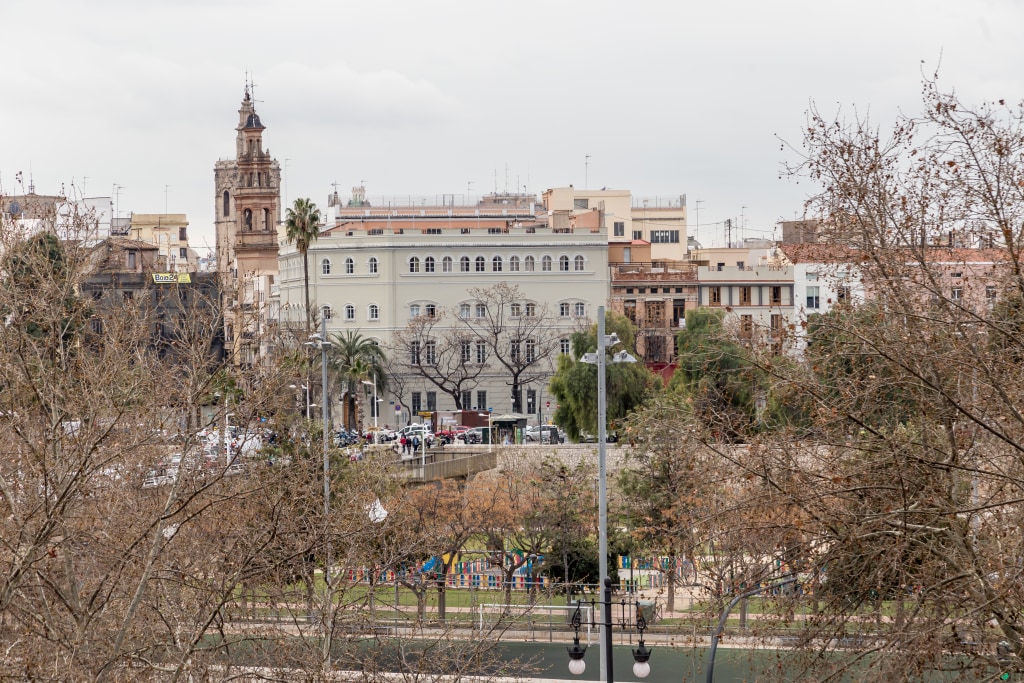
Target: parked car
[
  {"x": 544, "y": 434},
  {"x": 474, "y": 435},
  {"x": 610, "y": 437}
]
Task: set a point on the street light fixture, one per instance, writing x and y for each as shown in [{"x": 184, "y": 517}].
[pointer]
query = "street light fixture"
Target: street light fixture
[
  {"x": 320, "y": 339},
  {"x": 375, "y": 411},
  {"x": 641, "y": 655},
  {"x": 599, "y": 359},
  {"x": 305, "y": 388}
]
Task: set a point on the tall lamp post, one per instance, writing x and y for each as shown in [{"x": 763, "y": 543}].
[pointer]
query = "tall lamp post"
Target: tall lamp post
[
  {"x": 603, "y": 342},
  {"x": 320, "y": 340},
  {"x": 375, "y": 411}
]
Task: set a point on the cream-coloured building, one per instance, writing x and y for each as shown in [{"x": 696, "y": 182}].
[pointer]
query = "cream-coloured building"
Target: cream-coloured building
[
  {"x": 376, "y": 269},
  {"x": 169, "y": 233},
  {"x": 660, "y": 221}
]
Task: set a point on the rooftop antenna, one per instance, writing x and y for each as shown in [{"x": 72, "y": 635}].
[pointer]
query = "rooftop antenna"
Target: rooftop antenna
[
  {"x": 743, "y": 221},
  {"x": 586, "y": 171},
  {"x": 31, "y": 181},
  {"x": 117, "y": 199}
]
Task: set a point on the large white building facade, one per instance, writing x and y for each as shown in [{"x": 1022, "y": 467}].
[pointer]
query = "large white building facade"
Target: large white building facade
[{"x": 377, "y": 270}]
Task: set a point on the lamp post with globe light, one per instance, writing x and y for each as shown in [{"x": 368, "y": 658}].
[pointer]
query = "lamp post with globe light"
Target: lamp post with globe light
[{"x": 603, "y": 342}]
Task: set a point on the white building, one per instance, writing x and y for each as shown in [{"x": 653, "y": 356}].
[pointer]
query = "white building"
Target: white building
[{"x": 377, "y": 269}]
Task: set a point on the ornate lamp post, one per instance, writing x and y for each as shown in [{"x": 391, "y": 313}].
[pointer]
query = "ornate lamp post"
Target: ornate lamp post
[{"x": 641, "y": 654}]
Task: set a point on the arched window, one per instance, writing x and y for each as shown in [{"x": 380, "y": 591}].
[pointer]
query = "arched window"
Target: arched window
[
  {"x": 414, "y": 264},
  {"x": 350, "y": 266},
  {"x": 325, "y": 266},
  {"x": 414, "y": 310},
  {"x": 563, "y": 263},
  {"x": 578, "y": 263},
  {"x": 350, "y": 312},
  {"x": 428, "y": 264},
  {"x": 373, "y": 264},
  {"x": 513, "y": 264},
  {"x": 247, "y": 219},
  {"x": 464, "y": 264},
  {"x": 528, "y": 264},
  {"x": 496, "y": 264},
  {"x": 266, "y": 219},
  {"x": 373, "y": 312},
  {"x": 545, "y": 264},
  {"x": 446, "y": 264},
  {"x": 326, "y": 311},
  {"x": 481, "y": 264},
  {"x": 227, "y": 203}
]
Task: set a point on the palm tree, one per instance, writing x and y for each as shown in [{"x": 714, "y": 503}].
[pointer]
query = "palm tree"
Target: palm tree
[
  {"x": 354, "y": 358},
  {"x": 303, "y": 224}
]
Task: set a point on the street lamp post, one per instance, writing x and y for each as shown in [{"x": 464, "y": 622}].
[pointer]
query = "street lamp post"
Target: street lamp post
[
  {"x": 641, "y": 654},
  {"x": 305, "y": 389},
  {"x": 375, "y": 411},
  {"x": 321, "y": 341},
  {"x": 603, "y": 342}
]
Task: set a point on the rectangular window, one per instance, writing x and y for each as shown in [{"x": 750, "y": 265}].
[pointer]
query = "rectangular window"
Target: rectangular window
[
  {"x": 746, "y": 326},
  {"x": 739, "y": 265},
  {"x": 776, "y": 295},
  {"x": 842, "y": 294},
  {"x": 481, "y": 400},
  {"x": 481, "y": 310},
  {"x": 582, "y": 203},
  {"x": 464, "y": 310},
  {"x": 183, "y": 234},
  {"x": 813, "y": 297},
  {"x": 431, "y": 310},
  {"x": 467, "y": 352},
  {"x": 715, "y": 296},
  {"x": 182, "y": 252},
  {"x": 638, "y": 234},
  {"x": 776, "y": 322},
  {"x": 467, "y": 400},
  {"x": 563, "y": 309},
  {"x": 432, "y": 231},
  {"x": 664, "y": 237},
  {"x": 480, "y": 264},
  {"x": 414, "y": 353},
  {"x": 531, "y": 401},
  {"x": 430, "y": 353},
  {"x": 417, "y": 403},
  {"x": 564, "y": 347},
  {"x": 531, "y": 310},
  {"x": 131, "y": 259},
  {"x": 514, "y": 351},
  {"x": 990, "y": 293},
  {"x": 812, "y": 276},
  {"x": 431, "y": 401},
  {"x": 745, "y": 296},
  {"x": 620, "y": 228},
  {"x": 481, "y": 353},
  {"x": 516, "y": 310},
  {"x": 957, "y": 293},
  {"x": 581, "y": 309},
  {"x": 531, "y": 350}
]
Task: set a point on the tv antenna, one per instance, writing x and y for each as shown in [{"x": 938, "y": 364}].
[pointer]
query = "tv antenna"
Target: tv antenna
[{"x": 586, "y": 172}]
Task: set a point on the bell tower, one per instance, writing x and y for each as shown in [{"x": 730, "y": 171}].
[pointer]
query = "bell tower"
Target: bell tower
[{"x": 248, "y": 215}]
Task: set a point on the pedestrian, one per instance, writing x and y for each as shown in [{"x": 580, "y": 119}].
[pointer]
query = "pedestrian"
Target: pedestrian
[{"x": 405, "y": 446}]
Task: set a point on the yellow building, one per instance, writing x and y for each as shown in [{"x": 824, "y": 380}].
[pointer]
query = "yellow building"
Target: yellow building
[{"x": 169, "y": 233}]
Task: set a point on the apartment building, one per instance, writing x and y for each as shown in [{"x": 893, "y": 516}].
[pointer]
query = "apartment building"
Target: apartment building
[
  {"x": 169, "y": 233},
  {"x": 375, "y": 269}
]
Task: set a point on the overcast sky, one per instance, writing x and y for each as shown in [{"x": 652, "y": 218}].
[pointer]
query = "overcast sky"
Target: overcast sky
[{"x": 427, "y": 98}]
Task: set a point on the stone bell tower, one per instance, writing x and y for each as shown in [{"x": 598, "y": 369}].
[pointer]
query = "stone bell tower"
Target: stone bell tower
[{"x": 248, "y": 216}]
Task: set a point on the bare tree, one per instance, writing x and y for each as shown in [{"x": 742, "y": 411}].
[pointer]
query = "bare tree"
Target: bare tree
[
  {"x": 441, "y": 353},
  {"x": 518, "y": 333}
]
